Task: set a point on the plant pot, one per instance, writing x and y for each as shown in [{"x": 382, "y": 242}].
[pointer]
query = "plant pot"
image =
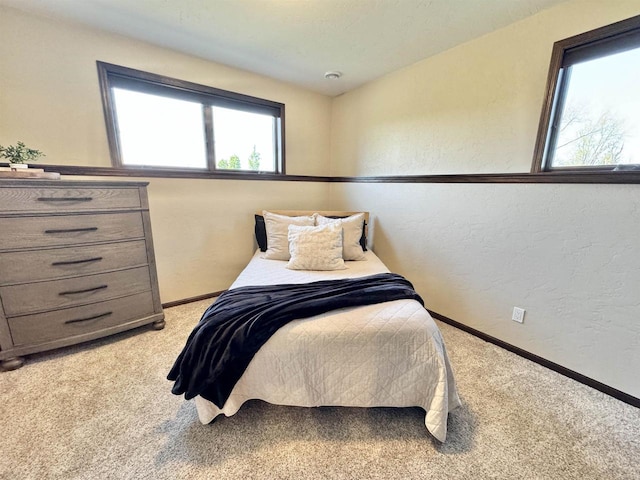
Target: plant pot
[{"x": 18, "y": 166}]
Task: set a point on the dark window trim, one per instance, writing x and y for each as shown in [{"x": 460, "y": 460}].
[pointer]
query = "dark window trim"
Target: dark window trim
[
  {"x": 110, "y": 74},
  {"x": 594, "y": 43}
]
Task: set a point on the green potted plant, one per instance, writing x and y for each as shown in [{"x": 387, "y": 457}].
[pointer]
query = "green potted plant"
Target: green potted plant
[{"x": 19, "y": 155}]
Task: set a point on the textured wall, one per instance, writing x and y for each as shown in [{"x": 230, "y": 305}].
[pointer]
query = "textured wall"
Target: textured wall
[
  {"x": 204, "y": 229},
  {"x": 565, "y": 253},
  {"x": 50, "y": 99},
  {"x": 49, "y": 93},
  {"x": 568, "y": 254},
  {"x": 472, "y": 109}
]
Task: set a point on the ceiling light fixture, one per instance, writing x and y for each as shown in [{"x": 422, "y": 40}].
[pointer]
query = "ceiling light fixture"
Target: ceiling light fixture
[{"x": 332, "y": 75}]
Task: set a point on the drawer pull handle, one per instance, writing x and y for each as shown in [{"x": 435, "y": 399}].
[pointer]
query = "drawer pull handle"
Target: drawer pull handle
[
  {"x": 75, "y": 262},
  {"x": 73, "y": 230},
  {"x": 86, "y": 290},
  {"x": 67, "y": 199},
  {"x": 95, "y": 317}
]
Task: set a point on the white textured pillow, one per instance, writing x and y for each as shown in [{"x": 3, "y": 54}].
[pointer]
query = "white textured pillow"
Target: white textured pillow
[
  {"x": 316, "y": 248},
  {"x": 276, "y": 227},
  {"x": 352, "y": 228}
]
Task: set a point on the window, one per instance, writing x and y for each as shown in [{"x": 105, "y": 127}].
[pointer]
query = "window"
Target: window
[
  {"x": 163, "y": 123},
  {"x": 591, "y": 118}
]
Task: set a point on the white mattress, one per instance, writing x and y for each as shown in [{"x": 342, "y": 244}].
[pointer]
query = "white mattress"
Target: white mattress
[
  {"x": 271, "y": 272},
  {"x": 384, "y": 355}
]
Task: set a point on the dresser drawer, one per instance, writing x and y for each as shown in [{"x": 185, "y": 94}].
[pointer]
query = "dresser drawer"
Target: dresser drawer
[
  {"x": 33, "y": 266},
  {"x": 70, "y": 322},
  {"x": 64, "y": 199},
  {"x": 30, "y": 232},
  {"x": 43, "y": 296}
]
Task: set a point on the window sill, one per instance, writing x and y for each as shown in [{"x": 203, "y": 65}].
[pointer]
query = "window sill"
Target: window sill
[{"x": 174, "y": 173}]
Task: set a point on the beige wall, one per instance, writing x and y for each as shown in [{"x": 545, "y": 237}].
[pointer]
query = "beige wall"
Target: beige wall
[
  {"x": 566, "y": 253},
  {"x": 472, "y": 109},
  {"x": 50, "y": 99},
  {"x": 49, "y": 93}
]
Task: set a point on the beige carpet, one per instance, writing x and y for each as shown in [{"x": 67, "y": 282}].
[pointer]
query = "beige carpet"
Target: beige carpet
[{"x": 105, "y": 410}]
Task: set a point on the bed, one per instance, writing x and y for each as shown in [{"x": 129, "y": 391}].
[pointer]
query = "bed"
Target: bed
[{"x": 388, "y": 354}]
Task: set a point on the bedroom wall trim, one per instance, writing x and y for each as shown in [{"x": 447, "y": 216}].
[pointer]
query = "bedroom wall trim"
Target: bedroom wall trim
[
  {"x": 197, "y": 298},
  {"x": 176, "y": 173},
  {"x": 542, "y": 177},
  {"x": 590, "y": 382}
]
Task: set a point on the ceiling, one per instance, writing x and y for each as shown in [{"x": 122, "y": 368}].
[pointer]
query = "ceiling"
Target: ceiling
[{"x": 297, "y": 41}]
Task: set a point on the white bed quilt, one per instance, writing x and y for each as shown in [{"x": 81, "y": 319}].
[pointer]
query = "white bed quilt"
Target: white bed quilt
[{"x": 385, "y": 355}]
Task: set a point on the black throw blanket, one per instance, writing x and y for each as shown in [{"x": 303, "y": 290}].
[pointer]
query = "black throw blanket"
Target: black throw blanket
[{"x": 241, "y": 320}]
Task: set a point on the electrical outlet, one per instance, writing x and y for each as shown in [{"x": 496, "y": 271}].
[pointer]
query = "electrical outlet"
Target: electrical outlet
[{"x": 518, "y": 315}]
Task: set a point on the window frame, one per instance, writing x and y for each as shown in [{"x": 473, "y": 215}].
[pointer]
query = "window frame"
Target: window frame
[
  {"x": 110, "y": 75},
  {"x": 592, "y": 44}
]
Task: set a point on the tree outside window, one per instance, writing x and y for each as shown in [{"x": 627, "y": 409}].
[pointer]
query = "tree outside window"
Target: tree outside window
[{"x": 591, "y": 119}]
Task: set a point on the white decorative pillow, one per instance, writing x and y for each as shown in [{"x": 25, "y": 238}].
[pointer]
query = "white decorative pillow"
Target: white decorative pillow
[
  {"x": 276, "y": 227},
  {"x": 316, "y": 248},
  {"x": 352, "y": 228}
]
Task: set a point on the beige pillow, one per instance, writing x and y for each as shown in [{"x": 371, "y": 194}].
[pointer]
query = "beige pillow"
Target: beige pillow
[
  {"x": 352, "y": 228},
  {"x": 316, "y": 248},
  {"x": 276, "y": 227}
]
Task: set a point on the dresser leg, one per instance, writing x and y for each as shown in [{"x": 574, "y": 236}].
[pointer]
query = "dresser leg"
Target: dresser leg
[
  {"x": 11, "y": 363},
  {"x": 158, "y": 324}
]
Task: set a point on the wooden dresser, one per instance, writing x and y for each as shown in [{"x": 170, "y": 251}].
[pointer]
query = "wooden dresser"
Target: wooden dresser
[{"x": 76, "y": 264}]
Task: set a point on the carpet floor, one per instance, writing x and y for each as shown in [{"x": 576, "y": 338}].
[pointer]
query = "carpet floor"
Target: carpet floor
[{"x": 104, "y": 411}]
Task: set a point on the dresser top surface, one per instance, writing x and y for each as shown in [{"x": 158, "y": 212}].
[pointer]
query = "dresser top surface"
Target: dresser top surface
[{"x": 12, "y": 182}]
